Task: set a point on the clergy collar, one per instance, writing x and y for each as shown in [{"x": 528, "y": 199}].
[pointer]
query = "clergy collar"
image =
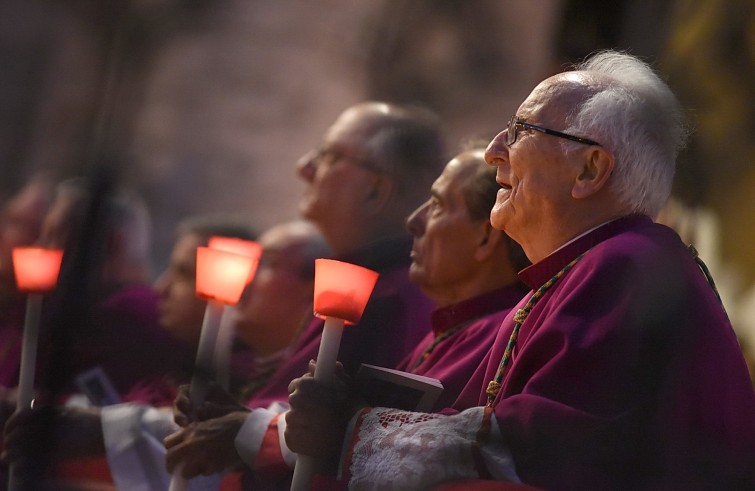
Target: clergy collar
[
  {"x": 470, "y": 309},
  {"x": 537, "y": 274},
  {"x": 382, "y": 254}
]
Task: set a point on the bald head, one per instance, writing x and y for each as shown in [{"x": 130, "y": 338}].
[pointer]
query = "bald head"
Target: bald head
[{"x": 373, "y": 168}]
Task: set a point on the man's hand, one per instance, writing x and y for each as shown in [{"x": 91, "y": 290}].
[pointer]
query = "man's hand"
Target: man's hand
[
  {"x": 65, "y": 432},
  {"x": 205, "y": 447},
  {"x": 316, "y": 422},
  {"x": 217, "y": 403}
]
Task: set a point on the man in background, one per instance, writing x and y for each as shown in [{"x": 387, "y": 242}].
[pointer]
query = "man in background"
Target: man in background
[{"x": 373, "y": 168}]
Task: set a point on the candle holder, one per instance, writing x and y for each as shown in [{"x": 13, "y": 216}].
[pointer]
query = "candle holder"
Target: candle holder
[
  {"x": 227, "y": 328},
  {"x": 221, "y": 279},
  {"x": 247, "y": 248},
  {"x": 341, "y": 294},
  {"x": 36, "y": 271}
]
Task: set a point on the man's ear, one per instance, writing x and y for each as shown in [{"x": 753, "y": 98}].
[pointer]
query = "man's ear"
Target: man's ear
[
  {"x": 379, "y": 192},
  {"x": 489, "y": 238},
  {"x": 596, "y": 170}
]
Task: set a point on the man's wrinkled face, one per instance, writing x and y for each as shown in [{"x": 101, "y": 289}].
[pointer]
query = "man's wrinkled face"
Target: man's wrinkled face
[
  {"x": 337, "y": 176},
  {"x": 180, "y": 311},
  {"x": 444, "y": 236},
  {"x": 534, "y": 174}
]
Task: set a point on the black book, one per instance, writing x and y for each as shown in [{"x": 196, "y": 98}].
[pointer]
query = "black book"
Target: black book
[{"x": 384, "y": 387}]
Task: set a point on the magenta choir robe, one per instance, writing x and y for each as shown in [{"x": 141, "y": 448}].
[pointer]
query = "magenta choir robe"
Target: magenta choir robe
[
  {"x": 125, "y": 339},
  {"x": 394, "y": 321},
  {"x": 161, "y": 389},
  {"x": 454, "y": 359},
  {"x": 627, "y": 373}
]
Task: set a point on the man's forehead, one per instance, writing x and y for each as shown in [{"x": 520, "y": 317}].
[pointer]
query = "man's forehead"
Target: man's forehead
[{"x": 556, "y": 94}]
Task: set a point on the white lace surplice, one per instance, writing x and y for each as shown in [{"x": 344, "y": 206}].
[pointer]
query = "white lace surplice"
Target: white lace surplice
[{"x": 391, "y": 449}]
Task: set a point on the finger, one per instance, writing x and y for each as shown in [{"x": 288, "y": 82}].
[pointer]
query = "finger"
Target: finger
[
  {"x": 312, "y": 367},
  {"x": 310, "y": 394},
  {"x": 182, "y": 403},
  {"x": 174, "y": 439},
  {"x": 293, "y": 385}
]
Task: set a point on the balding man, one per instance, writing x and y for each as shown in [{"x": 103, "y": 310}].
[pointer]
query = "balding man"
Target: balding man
[{"x": 373, "y": 168}]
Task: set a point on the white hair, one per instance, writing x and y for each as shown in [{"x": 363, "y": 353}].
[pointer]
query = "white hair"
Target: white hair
[{"x": 634, "y": 114}]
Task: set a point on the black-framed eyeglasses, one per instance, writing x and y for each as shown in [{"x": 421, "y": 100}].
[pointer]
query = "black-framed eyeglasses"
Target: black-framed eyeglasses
[
  {"x": 515, "y": 124},
  {"x": 330, "y": 156}
]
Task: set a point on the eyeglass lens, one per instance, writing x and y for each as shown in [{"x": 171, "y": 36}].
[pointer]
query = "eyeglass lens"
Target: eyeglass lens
[{"x": 511, "y": 131}]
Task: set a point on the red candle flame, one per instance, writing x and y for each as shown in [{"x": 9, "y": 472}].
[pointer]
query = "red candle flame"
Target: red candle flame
[{"x": 342, "y": 289}]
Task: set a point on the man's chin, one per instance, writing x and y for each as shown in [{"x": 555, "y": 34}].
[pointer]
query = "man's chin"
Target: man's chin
[
  {"x": 498, "y": 220},
  {"x": 413, "y": 273}
]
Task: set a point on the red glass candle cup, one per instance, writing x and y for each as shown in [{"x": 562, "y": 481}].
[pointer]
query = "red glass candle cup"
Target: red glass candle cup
[
  {"x": 36, "y": 269},
  {"x": 342, "y": 289},
  {"x": 239, "y": 246},
  {"x": 222, "y": 275}
]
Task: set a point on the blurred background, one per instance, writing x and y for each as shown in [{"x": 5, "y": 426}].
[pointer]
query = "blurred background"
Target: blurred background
[{"x": 208, "y": 104}]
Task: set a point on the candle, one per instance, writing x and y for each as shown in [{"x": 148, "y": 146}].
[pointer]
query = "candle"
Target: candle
[
  {"x": 227, "y": 328},
  {"x": 248, "y": 248},
  {"x": 341, "y": 294},
  {"x": 36, "y": 271},
  {"x": 221, "y": 278}
]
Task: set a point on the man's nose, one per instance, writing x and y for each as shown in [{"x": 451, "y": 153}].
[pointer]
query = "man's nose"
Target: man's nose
[
  {"x": 307, "y": 165},
  {"x": 497, "y": 151},
  {"x": 415, "y": 224}
]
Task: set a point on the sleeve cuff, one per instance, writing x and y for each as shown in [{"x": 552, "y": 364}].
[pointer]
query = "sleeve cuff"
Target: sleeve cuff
[
  {"x": 133, "y": 436},
  {"x": 289, "y": 457},
  {"x": 249, "y": 438}
]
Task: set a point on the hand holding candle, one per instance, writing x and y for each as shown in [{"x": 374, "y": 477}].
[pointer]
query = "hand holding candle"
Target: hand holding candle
[
  {"x": 341, "y": 294},
  {"x": 36, "y": 271},
  {"x": 221, "y": 278}
]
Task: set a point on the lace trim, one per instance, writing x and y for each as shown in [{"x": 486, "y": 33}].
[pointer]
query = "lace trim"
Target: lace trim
[{"x": 399, "y": 450}]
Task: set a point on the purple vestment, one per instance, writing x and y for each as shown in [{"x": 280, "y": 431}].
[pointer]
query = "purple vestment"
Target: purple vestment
[
  {"x": 392, "y": 324},
  {"x": 474, "y": 324},
  {"x": 627, "y": 373}
]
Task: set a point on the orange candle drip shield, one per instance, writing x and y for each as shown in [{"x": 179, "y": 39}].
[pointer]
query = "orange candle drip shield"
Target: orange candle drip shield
[
  {"x": 36, "y": 269},
  {"x": 342, "y": 289},
  {"x": 248, "y": 248},
  {"x": 222, "y": 275}
]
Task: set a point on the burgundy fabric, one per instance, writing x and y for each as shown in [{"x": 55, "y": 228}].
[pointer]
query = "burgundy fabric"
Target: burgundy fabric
[
  {"x": 627, "y": 374},
  {"x": 394, "y": 321},
  {"x": 125, "y": 339},
  {"x": 455, "y": 358}
]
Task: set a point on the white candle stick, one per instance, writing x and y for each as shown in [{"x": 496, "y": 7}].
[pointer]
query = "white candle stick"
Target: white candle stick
[
  {"x": 324, "y": 370},
  {"x": 203, "y": 369},
  {"x": 221, "y": 277},
  {"x": 224, "y": 346},
  {"x": 28, "y": 365}
]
